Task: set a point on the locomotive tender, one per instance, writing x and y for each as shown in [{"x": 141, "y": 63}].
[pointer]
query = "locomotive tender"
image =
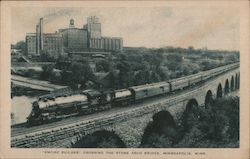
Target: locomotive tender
[{"x": 49, "y": 108}]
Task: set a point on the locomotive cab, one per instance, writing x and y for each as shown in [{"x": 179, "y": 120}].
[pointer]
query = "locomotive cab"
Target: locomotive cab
[
  {"x": 94, "y": 97},
  {"x": 98, "y": 100}
]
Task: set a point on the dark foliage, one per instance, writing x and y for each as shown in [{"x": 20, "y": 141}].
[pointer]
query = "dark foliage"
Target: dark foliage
[
  {"x": 48, "y": 57},
  {"x": 103, "y": 66},
  {"x": 21, "y": 45},
  {"x": 47, "y": 72},
  {"x": 100, "y": 139},
  {"x": 217, "y": 126},
  {"x": 162, "y": 132}
]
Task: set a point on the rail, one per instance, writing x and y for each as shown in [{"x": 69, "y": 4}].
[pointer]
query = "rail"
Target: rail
[{"x": 36, "y": 139}]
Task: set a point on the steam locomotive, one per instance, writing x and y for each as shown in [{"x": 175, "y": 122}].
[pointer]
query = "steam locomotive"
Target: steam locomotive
[{"x": 56, "y": 107}]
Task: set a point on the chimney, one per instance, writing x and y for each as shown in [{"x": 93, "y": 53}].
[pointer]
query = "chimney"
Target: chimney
[
  {"x": 37, "y": 39},
  {"x": 41, "y": 34}
]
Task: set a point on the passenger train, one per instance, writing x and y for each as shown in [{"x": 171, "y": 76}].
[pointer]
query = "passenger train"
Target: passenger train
[{"x": 50, "y": 108}]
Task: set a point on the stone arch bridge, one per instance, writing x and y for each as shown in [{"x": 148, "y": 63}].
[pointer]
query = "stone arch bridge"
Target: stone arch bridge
[
  {"x": 216, "y": 88},
  {"x": 130, "y": 125}
]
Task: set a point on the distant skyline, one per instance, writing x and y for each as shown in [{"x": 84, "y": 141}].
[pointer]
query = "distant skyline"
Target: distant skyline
[{"x": 211, "y": 27}]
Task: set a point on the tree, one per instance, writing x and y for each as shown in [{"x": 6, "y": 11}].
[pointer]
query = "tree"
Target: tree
[
  {"x": 66, "y": 78},
  {"x": 81, "y": 73},
  {"x": 162, "y": 72},
  {"x": 113, "y": 81},
  {"x": 21, "y": 45},
  {"x": 142, "y": 77},
  {"x": 47, "y": 72},
  {"x": 124, "y": 77},
  {"x": 103, "y": 66},
  {"x": 155, "y": 77},
  {"x": 48, "y": 57},
  {"x": 175, "y": 58},
  {"x": 77, "y": 73}
]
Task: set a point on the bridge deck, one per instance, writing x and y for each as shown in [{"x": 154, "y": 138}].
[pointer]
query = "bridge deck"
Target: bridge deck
[{"x": 34, "y": 84}]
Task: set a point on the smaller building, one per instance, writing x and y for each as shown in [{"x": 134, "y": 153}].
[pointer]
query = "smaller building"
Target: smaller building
[
  {"x": 31, "y": 44},
  {"x": 52, "y": 43}
]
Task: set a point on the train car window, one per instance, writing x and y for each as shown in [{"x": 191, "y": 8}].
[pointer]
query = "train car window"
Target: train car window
[{"x": 145, "y": 91}]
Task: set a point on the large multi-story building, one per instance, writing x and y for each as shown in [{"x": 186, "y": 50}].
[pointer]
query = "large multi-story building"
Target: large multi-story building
[
  {"x": 94, "y": 27},
  {"x": 39, "y": 42},
  {"x": 89, "y": 38},
  {"x": 72, "y": 39}
]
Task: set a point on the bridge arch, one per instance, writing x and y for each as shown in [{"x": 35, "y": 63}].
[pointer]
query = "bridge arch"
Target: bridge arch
[
  {"x": 163, "y": 124},
  {"x": 191, "y": 104},
  {"x": 99, "y": 139},
  {"x": 226, "y": 88},
  {"x": 232, "y": 86},
  {"x": 208, "y": 98},
  {"x": 219, "y": 91},
  {"x": 164, "y": 117},
  {"x": 190, "y": 114}
]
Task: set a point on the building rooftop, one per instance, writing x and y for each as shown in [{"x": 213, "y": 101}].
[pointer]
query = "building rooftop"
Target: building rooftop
[
  {"x": 106, "y": 37},
  {"x": 62, "y": 30},
  {"x": 31, "y": 34},
  {"x": 52, "y": 34}
]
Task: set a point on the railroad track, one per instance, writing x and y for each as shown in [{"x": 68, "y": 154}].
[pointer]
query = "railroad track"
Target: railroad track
[
  {"x": 64, "y": 133},
  {"x": 20, "y": 129}
]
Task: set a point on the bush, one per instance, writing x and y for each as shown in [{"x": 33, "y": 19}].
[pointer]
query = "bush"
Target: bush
[
  {"x": 47, "y": 72},
  {"x": 100, "y": 139}
]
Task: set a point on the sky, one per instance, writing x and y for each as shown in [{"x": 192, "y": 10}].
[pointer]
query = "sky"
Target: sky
[{"x": 211, "y": 27}]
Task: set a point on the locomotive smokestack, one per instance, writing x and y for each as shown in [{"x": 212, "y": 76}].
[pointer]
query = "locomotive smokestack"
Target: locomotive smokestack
[{"x": 41, "y": 34}]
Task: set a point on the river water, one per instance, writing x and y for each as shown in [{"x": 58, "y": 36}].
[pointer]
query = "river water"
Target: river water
[{"x": 20, "y": 108}]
